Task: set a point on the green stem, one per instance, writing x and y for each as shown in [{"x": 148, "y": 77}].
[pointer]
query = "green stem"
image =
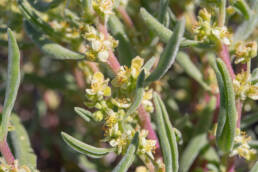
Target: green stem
[{"x": 222, "y": 13}]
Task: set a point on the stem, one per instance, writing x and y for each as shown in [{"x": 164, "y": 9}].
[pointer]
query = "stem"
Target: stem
[
  {"x": 127, "y": 19},
  {"x": 6, "y": 152},
  {"x": 143, "y": 115},
  {"x": 223, "y": 53}
]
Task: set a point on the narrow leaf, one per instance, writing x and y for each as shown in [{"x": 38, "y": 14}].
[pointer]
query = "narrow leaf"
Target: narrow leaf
[
  {"x": 50, "y": 48},
  {"x": 129, "y": 156},
  {"x": 84, "y": 114},
  {"x": 168, "y": 56},
  {"x": 21, "y": 143},
  {"x": 192, "y": 150},
  {"x": 163, "y": 6},
  {"x": 32, "y": 16},
  {"x": 185, "y": 62},
  {"x": 254, "y": 77},
  {"x": 243, "y": 8},
  {"x": 125, "y": 51},
  {"x": 13, "y": 82},
  {"x": 84, "y": 148},
  {"x": 249, "y": 120},
  {"x": 226, "y": 138},
  {"x": 163, "y": 137},
  {"x": 162, "y": 32},
  {"x": 171, "y": 135},
  {"x": 43, "y": 6},
  {"x": 255, "y": 167},
  {"x": 139, "y": 92},
  {"x": 148, "y": 65},
  {"x": 248, "y": 26}
]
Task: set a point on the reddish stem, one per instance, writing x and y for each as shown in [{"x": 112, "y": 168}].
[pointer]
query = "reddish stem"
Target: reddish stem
[
  {"x": 6, "y": 152},
  {"x": 125, "y": 17},
  {"x": 223, "y": 53}
]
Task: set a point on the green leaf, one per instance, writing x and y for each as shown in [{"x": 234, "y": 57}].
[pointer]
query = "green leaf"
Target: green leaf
[
  {"x": 34, "y": 18},
  {"x": 243, "y": 8},
  {"x": 254, "y": 77},
  {"x": 185, "y": 62},
  {"x": 129, "y": 156},
  {"x": 168, "y": 56},
  {"x": 13, "y": 82},
  {"x": 160, "y": 30},
  {"x": 163, "y": 6},
  {"x": 139, "y": 92},
  {"x": 170, "y": 134},
  {"x": 21, "y": 143},
  {"x": 125, "y": 51},
  {"x": 84, "y": 148},
  {"x": 149, "y": 64},
  {"x": 84, "y": 114},
  {"x": 228, "y": 115},
  {"x": 249, "y": 120},
  {"x": 248, "y": 26},
  {"x": 43, "y": 6},
  {"x": 50, "y": 48},
  {"x": 199, "y": 141},
  {"x": 255, "y": 167},
  {"x": 192, "y": 150},
  {"x": 163, "y": 136}
]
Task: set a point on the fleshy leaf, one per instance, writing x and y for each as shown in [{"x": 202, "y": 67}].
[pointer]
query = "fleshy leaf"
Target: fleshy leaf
[
  {"x": 84, "y": 148},
  {"x": 228, "y": 114},
  {"x": 255, "y": 167},
  {"x": 162, "y": 32},
  {"x": 170, "y": 134},
  {"x": 169, "y": 54},
  {"x": 139, "y": 92},
  {"x": 163, "y": 136},
  {"x": 184, "y": 61},
  {"x": 125, "y": 51},
  {"x": 13, "y": 82},
  {"x": 129, "y": 156},
  {"x": 21, "y": 143},
  {"x": 84, "y": 114},
  {"x": 50, "y": 48}
]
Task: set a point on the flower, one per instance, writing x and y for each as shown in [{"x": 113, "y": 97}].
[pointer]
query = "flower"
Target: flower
[
  {"x": 146, "y": 146},
  {"x": 99, "y": 46},
  {"x": 243, "y": 87},
  {"x": 148, "y": 106},
  {"x": 243, "y": 149},
  {"x": 126, "y": 76},
  {"x": 245, "y": 51},
  {"x": 99, "y": 87},
  {"x": 103, "y": 7},
  {"x": 205, "y": 31},
  {"x": 121, "y": 102}
]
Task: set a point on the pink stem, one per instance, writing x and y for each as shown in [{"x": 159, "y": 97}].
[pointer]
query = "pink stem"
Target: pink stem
[
  {"x": 125, "y": 17},
  {"x": 224, "y": 55},
  {"x": 6, "y": 152}
]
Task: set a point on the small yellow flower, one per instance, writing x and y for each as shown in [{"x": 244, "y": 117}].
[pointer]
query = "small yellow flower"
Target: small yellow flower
[
  {"x": 98, "y": 48},
  {"x": 122, "y": 78},
  {"x": 103, "y": 7},
  {"x": 99, "y": 87},
  {"x": 146, "y": 146},
  {"x": 136, "y": 66},
  {"x": 243, "y": 87},
  {"x": 243, "y": 149},
  {"x": 121, "y": 102},
  {"x": 245, "y": 51}
]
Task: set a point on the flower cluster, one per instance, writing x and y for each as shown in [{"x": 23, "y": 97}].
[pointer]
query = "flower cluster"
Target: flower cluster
[
  {"x": 103, "y": 7},
  {"x": 242, "y": 147},
  {"x": 245, "y": 51},
  {"x": 204, "y": 30},
  {"x": 244, "y": 88},
  {"x": 13, "y": 168},
  {"x": 111, "y": 106},
  {"x": 99, "y": 46}
]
